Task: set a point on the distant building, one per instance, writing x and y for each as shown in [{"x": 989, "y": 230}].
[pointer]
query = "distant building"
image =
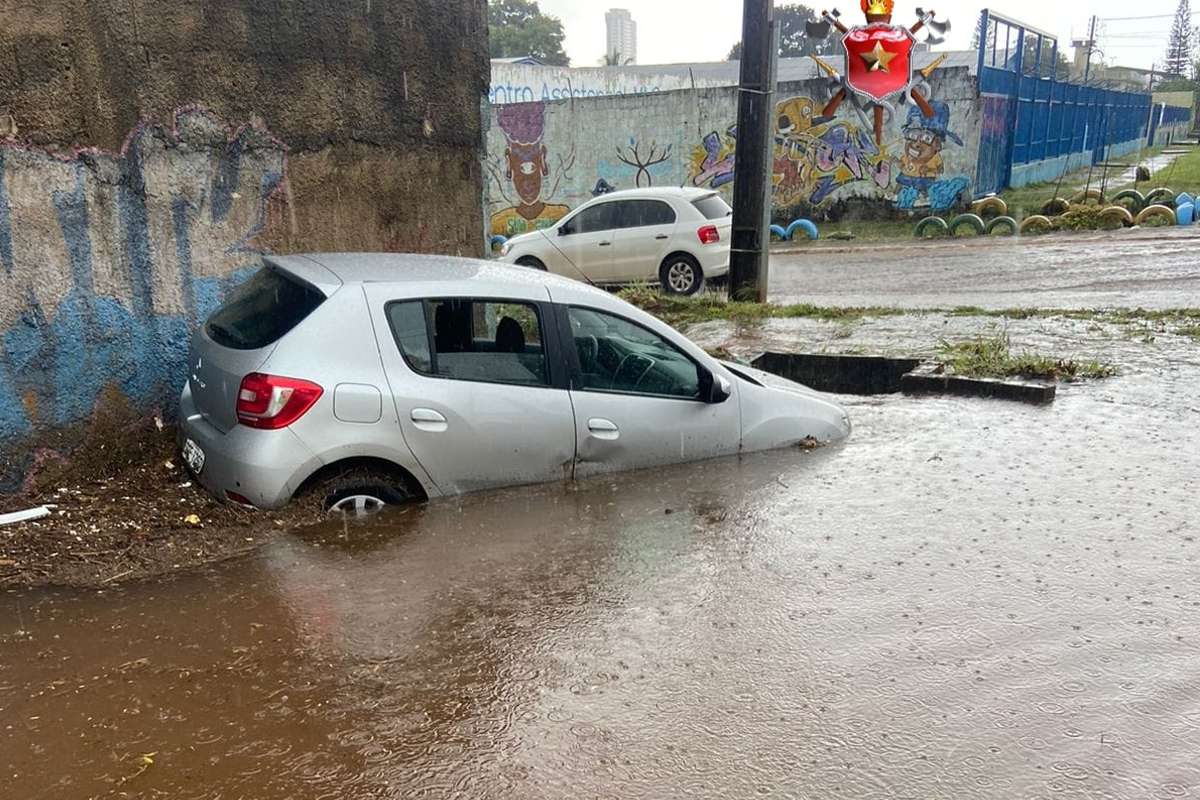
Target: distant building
[{"x": 622, "y": 36}]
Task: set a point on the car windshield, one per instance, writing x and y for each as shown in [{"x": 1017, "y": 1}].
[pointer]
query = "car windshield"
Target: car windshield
[{"x": 262, "y": 310}]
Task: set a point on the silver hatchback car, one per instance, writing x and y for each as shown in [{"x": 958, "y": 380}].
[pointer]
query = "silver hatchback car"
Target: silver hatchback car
[{"x": 369, "y": 379}]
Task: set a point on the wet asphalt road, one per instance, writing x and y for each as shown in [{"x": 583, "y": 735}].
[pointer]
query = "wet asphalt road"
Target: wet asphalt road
[{"x": 1155, "y": 268}]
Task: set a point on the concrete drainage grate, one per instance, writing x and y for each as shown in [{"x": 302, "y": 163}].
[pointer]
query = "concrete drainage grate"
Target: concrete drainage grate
[{"x": 867, "y": 375}]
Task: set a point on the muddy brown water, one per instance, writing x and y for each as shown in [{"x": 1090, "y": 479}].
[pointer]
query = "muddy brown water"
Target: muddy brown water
[{"x": 969, "y": 599}]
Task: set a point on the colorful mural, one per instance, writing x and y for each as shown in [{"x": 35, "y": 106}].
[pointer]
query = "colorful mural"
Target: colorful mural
[
  {"x": 525, "y": 169},
  {"x": 108, "y": 259},
  {"x": 922, "y": 165},
  {"x": 816, "y": 156}
]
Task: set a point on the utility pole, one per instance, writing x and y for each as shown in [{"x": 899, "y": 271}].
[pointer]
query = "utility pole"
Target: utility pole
[
  {"x": 1091, "y": 44},
  {"x": 754, "y": 156}
]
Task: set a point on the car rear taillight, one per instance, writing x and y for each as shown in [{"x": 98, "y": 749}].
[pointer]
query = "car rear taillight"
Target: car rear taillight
[
  {"x": 271, "y": 402},
  {"x": 709, "y": 234}
]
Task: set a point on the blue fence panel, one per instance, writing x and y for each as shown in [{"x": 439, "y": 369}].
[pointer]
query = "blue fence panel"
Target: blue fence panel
[{"x": 1037, "y": 119}]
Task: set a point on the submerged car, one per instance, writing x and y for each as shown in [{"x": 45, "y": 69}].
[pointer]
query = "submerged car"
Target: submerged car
[
  {"x": 678, "y": 237},
  {"x": 363, "y": 380}
]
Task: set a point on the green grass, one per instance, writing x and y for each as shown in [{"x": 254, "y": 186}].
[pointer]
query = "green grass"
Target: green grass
[
  {"x": 678, "y": 310},
  {"x": 992, "y": 357}
]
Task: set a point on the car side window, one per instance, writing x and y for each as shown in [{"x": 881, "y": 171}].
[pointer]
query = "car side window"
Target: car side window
[
  {"x": 493, "y": 341},
  {"x": 600, "y": 217},
  {"x": 644, "y": 213},
  {"x": 616, "y": 355}
]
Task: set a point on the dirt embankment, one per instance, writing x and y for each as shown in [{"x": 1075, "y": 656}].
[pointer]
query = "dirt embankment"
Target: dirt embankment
[{"x": 125, "y": 508}]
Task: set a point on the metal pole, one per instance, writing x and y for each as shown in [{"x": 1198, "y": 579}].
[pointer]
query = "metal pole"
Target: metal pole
[
  {"x": 1087, "y": 67},
  {"x": 754, "y": 156}
]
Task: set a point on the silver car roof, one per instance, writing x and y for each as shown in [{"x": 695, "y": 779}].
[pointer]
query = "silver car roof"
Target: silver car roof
[{"x": 418, "y": 275}]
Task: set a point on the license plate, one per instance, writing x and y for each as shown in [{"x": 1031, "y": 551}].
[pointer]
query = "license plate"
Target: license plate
[{"x": 194, "y": 456}]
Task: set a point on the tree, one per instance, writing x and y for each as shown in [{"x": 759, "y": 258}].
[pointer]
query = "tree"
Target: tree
[
  {"x": 519, "y": 28},
  {"x": 1179, "y": 47},
  {"x": 793, "y": 41}
]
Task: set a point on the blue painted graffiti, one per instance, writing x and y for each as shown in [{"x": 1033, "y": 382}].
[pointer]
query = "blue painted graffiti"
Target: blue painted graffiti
[{"x": 110, "y": 262}]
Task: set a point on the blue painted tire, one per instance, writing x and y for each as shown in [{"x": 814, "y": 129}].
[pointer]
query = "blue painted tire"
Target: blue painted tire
[
  {"x": 809, "y": 228},
  {"x": 498, "y": 241},
  {"x": 778, "y": 231},
  {"x": 1185, "y": 213},
  {"x": 1183, "y": 199}
]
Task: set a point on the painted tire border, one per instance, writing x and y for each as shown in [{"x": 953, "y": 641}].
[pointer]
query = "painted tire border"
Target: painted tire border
[
  {"x": 937, "y": 222},
  {"x": 977, "y": 224},
  {"x": 1153, "y": 196},
  {"x": 808, "y": 226},
  {"x": 1084, "y": 195},
  {"x": 992, "y": 203},
  {"x": 1185, "y": 213},
  {"x": 1157, "y": 210},
  {"x": 1007, "y": 222},
  {"x": 1050, "y": 208},
  {"x": 1130, "y": 194},
  {"x": 1121, "y": 213},
  {"x": 1037, "y": 220}
]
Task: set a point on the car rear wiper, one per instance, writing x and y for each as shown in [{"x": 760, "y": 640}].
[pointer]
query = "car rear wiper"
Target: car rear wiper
[{"x": 227, "y": 333}]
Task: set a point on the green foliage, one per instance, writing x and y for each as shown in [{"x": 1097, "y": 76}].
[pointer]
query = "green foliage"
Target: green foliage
[
  {"x": 518, "y": 28},
  {"x": 1180, "y": 45},
  {"x": 992, "y": 357},
  {"x": 793, "y": 42}
]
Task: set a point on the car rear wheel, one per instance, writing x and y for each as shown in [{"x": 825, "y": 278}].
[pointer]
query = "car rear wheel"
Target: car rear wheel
[
  {"x": 531, "y": 262},
  {"x": 359, "y": 493},
  {"x": 681, "y": 274}
]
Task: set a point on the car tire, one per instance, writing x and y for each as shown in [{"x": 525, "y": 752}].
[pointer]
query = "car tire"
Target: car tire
[
  {"x": 681, "y": 274},
  {"x": 531, "y": 262},
  {"x": 359, "y": 493}
]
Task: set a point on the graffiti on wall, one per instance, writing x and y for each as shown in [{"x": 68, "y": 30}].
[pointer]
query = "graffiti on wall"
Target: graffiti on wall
[
  {"x": 108, "y": 259},
  {"x": 525, "y": 169},
  {"x": 922, "y": 167},
  {"x": 640, "y": 163},
  {"x": 816, "y": 157}
]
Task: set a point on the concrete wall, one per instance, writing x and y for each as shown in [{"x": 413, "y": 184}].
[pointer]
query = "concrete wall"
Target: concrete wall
[
  {"x": 545, "y": 158},
  {"x": 151, "y": 150}
]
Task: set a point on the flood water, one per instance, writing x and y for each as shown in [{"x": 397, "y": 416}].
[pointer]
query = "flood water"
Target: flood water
[{"x": 970, "y": 599}]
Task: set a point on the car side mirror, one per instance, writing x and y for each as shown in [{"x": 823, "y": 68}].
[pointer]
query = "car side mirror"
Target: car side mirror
[
  {"x": 563, "y": 230},
  {"x": 714, "y": 388}
]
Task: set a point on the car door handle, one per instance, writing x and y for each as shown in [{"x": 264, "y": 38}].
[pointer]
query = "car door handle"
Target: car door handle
[
  {"x": 426, "y": 419},
  {"x": 604, "y": 429},
  {"x": 663, "y": 236},
  {"x": 606, "y": 244}
]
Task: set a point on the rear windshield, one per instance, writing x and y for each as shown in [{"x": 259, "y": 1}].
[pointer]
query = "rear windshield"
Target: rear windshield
[
  {"x": 713, "y": 206},
  {"x": 262, "y": 310}
]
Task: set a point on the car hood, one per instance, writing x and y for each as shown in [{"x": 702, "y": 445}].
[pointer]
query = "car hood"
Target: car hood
[
  {"x": 818, "y": 404},
  {"x": 528, "y": 237}
]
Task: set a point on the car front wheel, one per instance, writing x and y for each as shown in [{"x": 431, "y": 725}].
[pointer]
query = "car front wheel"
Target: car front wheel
[
  {"x": 681, "y": 274},
  {"x": 531, "y": 262}
]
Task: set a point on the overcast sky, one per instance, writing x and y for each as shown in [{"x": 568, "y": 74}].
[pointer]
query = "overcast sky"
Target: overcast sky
[{"x": 671, "y": 31}]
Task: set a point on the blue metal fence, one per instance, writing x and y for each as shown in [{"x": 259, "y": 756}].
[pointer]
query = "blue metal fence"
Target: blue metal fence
[{"x": 1038, "y": 124}]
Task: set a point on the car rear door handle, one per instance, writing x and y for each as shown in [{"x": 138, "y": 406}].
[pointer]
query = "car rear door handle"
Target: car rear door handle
[
  {"x": 426, "y": 419},
  {"x": 605, "y": 429},
  {"x": 606, "y": 244},
  {"x": 662, "y": 236}
]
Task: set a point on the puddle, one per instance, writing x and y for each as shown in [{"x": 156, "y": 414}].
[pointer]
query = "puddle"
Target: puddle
[{"x": 968, "y": 599}]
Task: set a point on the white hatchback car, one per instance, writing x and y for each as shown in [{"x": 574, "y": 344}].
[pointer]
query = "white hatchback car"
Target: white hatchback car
[{"x": 676, "y": 236}]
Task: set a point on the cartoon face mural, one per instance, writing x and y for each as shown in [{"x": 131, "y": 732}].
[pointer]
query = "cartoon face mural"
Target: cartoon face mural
[
  {"x": 922, "y": 165},
  {"x": 525, "y": 168}
]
